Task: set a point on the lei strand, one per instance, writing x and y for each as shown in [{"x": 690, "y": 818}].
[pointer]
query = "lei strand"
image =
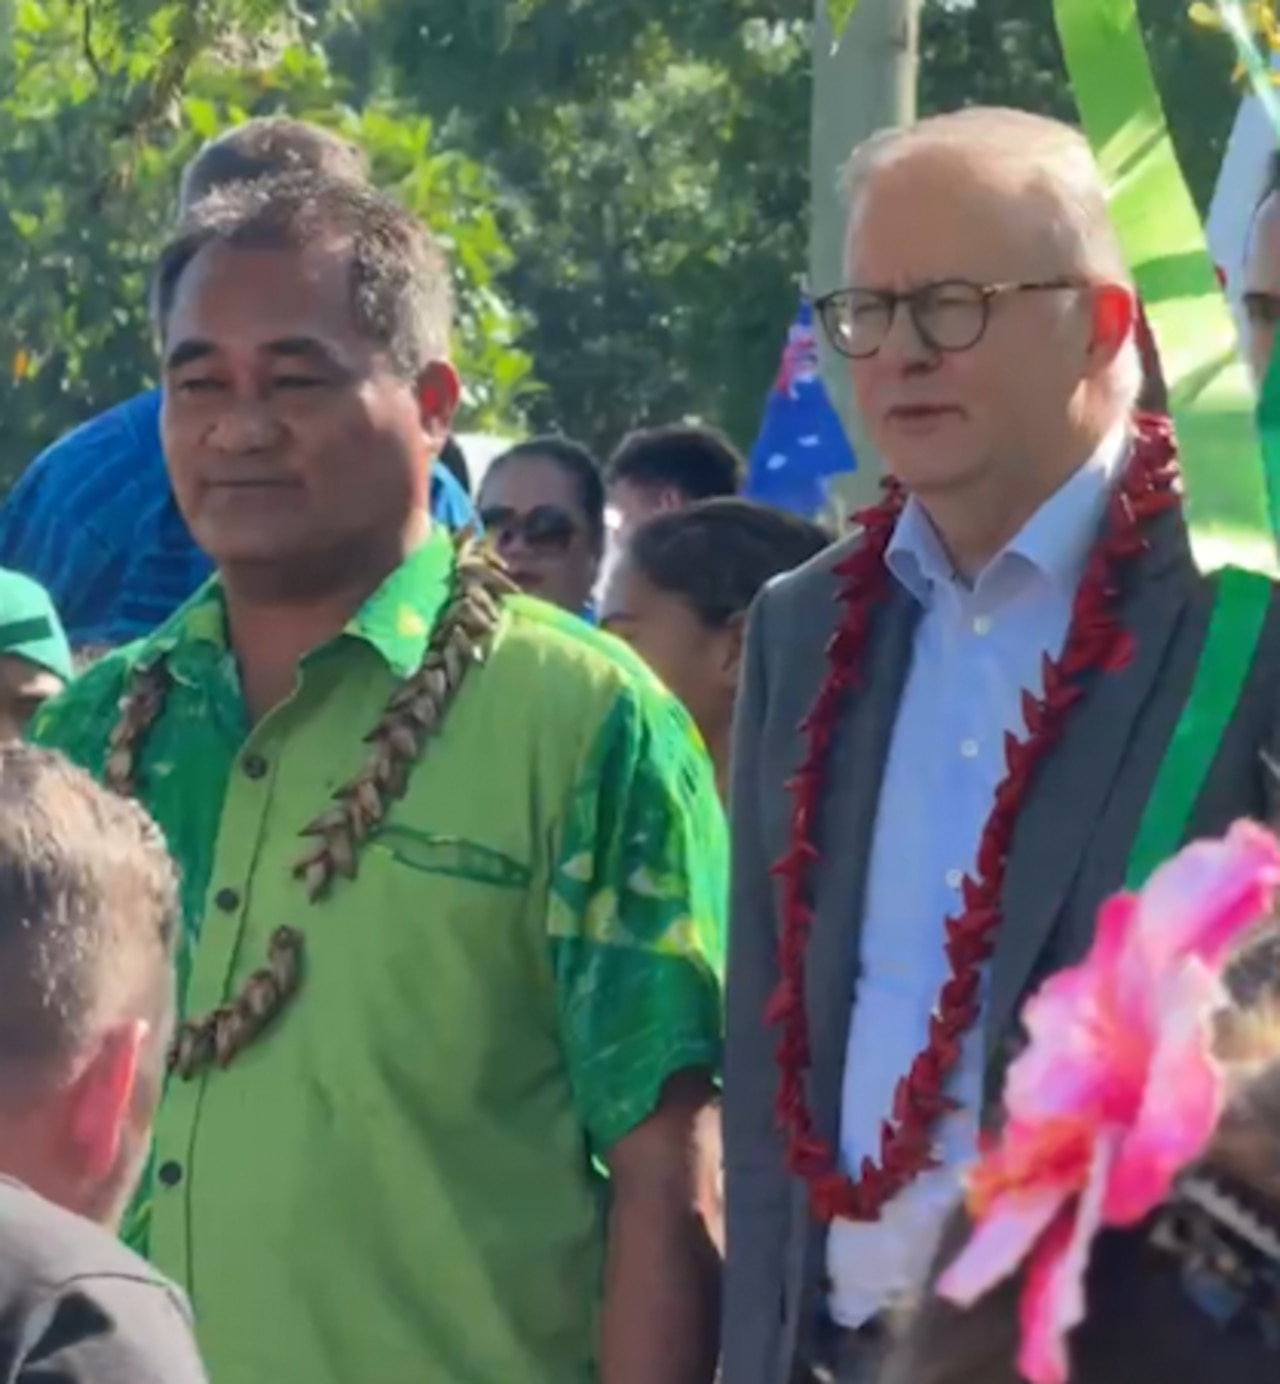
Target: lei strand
[
  {"x": 462, "y": 637},
  {"x": 1095, "y": 640}
]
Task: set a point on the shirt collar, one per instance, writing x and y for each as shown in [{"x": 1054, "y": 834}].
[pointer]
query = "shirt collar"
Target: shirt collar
[
  {"x": 396, "y": 621},
  {"x": 1056, "y": 540}
]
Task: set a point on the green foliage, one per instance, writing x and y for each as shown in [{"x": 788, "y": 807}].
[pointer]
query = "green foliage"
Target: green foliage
[
  {"x": 623, "y": 184},
  {"x": 654, "y": 164},
  {"x": 93, "y": 134},
  {"x": 654, "y": 160}
]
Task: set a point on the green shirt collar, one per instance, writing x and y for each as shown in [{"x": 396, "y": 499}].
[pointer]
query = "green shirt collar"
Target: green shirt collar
[{"x": 396, "y": 621}]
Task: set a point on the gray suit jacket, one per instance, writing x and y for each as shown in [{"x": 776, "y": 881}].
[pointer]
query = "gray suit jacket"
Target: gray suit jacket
[{"x": 1070, "y": 851}]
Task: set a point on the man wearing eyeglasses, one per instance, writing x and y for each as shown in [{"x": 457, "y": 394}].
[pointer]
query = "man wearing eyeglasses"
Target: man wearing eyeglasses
[{"x": 949, "y": 726}]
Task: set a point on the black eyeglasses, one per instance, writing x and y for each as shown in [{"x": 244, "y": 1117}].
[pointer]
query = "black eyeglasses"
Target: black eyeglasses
[
  {"x": 950, "y": 315},
  {"x": 545, "y": 527}
]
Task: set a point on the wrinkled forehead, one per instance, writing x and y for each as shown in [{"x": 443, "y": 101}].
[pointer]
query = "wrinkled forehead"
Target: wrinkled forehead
[
  {"x": 238, "y": 296},
  {"x": 1262, "y": 266},
  {"x": 940, "y": 213}
]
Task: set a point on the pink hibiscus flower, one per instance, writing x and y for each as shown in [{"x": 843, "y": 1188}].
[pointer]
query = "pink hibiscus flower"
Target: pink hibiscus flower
[{"x": 1117, "y": 1091}]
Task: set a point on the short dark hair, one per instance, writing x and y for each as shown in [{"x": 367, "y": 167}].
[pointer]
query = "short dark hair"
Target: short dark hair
[
  {"x": 717, "y": 554},
  {"x": 89, "y": 913},
  {"x": 578, "y": 463},
  {"x": 269, "y": 147},
  {"x": 400, "y": 290},
  {"x": 700, "y": 462}
]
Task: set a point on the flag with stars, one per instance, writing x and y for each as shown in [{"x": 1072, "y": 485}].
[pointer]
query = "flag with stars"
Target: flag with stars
[{"x": 802, "y": 441}]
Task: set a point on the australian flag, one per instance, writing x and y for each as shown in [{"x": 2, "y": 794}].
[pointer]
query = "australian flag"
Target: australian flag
[{"x": 802, "y": 441}]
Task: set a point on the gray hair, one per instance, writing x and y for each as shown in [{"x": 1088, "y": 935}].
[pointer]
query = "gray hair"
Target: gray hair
[{"x": 1052, "y": 167}]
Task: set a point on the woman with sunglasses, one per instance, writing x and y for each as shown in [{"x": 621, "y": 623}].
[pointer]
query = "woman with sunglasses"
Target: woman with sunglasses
[{"x": 542, "y": 503}]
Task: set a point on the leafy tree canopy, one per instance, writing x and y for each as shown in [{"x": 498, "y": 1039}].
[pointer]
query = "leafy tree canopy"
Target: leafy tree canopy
[
  {"x": 623, "y": 184},
  {"x": 94, "y": 130}
]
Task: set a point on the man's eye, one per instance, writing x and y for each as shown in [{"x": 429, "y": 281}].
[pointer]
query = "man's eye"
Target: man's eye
[
  {"x": 299, "y": 382},
  {"x": 197, "y": 385}
]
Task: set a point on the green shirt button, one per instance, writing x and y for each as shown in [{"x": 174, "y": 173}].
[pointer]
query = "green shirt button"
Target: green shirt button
[
  {"x": 170, "y": 1173},
  {"x": 227, "y": 899},
  {"x": 254, "y": 766}
]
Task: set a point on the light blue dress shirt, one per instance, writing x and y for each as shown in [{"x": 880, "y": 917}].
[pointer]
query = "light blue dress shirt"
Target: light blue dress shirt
[{"x": 977, "y": 647}]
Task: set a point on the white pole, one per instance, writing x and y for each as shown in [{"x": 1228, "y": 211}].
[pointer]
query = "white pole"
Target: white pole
[{"x": 868, "y": 83}]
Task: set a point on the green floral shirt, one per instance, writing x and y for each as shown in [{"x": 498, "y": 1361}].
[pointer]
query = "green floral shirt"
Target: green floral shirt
[{"x": 567, "y": 798}]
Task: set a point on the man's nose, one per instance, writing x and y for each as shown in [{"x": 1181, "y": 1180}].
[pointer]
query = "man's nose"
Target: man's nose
[
  {"x": 903, "y": 344},
  {"x": 245, "y": 427}
]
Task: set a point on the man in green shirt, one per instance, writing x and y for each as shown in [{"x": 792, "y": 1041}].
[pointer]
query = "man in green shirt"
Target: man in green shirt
[{"x": 453, "y": 866}]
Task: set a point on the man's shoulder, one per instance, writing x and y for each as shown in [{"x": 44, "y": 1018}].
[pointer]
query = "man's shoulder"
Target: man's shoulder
[
  {"x": 44, "y": 1246},
  {"x": 809, "y": 592},
  {"x": 551, "y": 644},
  {"x": 79, "y": 718},
  {"x": 133, "y": 423},
  {"x": 89, "y": 1308}
]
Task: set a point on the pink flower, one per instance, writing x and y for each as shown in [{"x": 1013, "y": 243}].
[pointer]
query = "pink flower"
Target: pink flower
[{"x": 1117, "y": 1091}]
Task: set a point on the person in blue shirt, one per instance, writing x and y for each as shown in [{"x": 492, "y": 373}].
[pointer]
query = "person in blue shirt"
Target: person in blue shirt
[{"x": 93, "y": 518}]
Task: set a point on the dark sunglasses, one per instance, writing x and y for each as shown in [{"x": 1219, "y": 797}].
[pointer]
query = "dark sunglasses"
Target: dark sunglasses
[{"x": 545, "y": 527}]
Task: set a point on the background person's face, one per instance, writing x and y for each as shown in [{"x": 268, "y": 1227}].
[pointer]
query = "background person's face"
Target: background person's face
[
  {"x": 630, "y": 505},
  {"x": 698, "y": 664},
  {"x": 946, "y": 421},
  {"x": 530, "y": 509},
  {"x": 24, "y": 689},
  {"x": 289, "y": 438},
  {"x": 1262, "y": 286}
]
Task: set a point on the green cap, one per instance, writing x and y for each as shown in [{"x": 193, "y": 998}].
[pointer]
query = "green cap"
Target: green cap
[{"x": 29, "y": 625}]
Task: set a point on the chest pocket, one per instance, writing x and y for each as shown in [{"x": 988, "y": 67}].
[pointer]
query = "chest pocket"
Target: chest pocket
[
  {"x": 454, "y": 857},
  {"x": 440, "y": 969}
]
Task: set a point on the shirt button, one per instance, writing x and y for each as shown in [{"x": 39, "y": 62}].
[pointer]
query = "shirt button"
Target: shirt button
[
  {"x": 955, "y": 878},
  {"x": 254, "y": 766},
  {"x": 982, "y": 624},
  {"x": 227, "y": 899},
  {"x": 969, "y": 748},
  {"x": 170, "y": 1173}
]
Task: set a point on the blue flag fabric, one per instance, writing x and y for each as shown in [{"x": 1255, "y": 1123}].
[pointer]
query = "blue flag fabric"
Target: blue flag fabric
[{"x": 802, "y": 440}]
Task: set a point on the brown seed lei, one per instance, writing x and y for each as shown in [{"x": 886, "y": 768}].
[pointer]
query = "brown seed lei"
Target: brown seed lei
[{"x": 462, "y": 637}]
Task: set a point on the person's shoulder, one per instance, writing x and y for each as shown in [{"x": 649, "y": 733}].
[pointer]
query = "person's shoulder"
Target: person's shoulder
[
  {"x": 569, "y": 651},
  {"x": 77, "y": 718},
  {"x": 580, "y": 683},
  {"x": 73, "y": 1295},
  {"x": 119, "y": 433},
  {"x": 808, "y": 593}
]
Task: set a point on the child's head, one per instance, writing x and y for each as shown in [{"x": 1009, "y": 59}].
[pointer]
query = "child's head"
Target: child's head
[{"x": 1190, "y": 1294}]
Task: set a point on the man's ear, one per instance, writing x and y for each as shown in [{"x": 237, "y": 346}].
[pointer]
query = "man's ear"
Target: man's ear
[
  {"x": 1115, "y": 317},
  {"x": 439, "y": 390},
  {"x": 102, "y": 1096}
]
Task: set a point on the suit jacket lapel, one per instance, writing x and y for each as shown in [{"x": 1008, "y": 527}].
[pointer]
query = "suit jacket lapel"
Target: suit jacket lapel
[
  {"x": 845, "y": 838},
  {"x": 1073, "y": 782}
]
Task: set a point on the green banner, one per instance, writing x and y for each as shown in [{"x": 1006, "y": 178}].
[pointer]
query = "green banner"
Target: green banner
[
  {"x": 1231, "y": 513},
  {"x": 1244, "y": 598},
  {"x": 1230, "y": 494}
]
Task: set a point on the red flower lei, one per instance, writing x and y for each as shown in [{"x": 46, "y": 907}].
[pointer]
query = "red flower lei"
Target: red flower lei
[{"x": 1095, "y": 640}]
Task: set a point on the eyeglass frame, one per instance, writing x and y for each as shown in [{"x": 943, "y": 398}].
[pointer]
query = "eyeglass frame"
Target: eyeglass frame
[{"x": 988, "y": 295}]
